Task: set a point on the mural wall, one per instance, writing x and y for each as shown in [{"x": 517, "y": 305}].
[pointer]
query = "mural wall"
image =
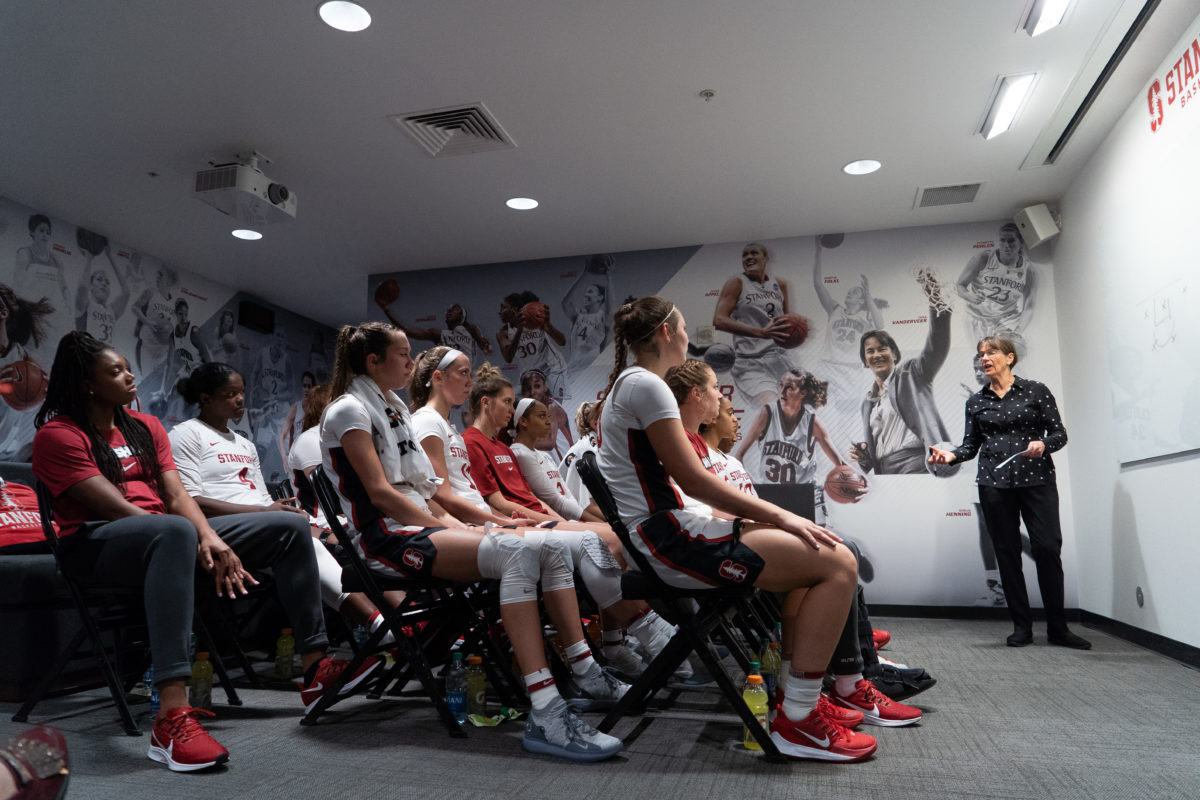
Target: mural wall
[
  {"x": 782, "y": 323},
  {"x": 56, "y": 277}
]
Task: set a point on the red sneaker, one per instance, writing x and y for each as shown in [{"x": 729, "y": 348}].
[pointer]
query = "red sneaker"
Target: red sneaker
[
  {"x": 881, "y": 638},
  {"x": 328, "y": 671},
  {"x": 877, "y": 708},
  {"x": 179, "y": 741},
  {"x": 846, "y": 717},
  {"x": 817, "y": 737}
]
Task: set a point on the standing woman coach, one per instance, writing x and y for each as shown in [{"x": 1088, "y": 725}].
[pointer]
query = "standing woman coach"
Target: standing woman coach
[{"x": 1016, "y": 424}]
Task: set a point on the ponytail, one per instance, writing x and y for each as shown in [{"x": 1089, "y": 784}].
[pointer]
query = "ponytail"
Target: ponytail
[
  {"x": 354, "y": 344},
  {"x": 489, "y": 382},
  {"x": 419, "y": 389},
  {"x": 633, "y": 325}
]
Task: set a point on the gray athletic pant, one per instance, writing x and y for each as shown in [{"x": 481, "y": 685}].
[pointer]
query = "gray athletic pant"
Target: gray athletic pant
[{"x": 158, "y": 553}]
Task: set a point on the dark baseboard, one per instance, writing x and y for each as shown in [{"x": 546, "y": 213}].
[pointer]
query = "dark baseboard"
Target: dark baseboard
[{"x": 1185, "y": 654}]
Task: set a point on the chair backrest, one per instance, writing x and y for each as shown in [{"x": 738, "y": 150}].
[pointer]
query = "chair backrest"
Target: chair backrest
[
  {"x": 589, "y": 472},
  {"x": 46, "y": 510},
  {"x": 328, "y": 499}
]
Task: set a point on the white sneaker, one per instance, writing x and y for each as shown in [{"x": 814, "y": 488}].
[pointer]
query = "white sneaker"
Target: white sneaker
[
  {"x": 661, "y": 632},
  {"x": 889, "y": 662}
]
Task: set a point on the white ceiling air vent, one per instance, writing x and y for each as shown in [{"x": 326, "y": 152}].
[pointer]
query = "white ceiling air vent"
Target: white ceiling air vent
[
  {"x": 947, "y": 195},
  {"x": 455, "y": 131}
]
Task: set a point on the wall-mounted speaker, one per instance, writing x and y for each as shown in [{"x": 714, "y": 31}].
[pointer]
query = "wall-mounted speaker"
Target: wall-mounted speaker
[
  {"x": 256, "y": 317},
  {"x": 1036, "y": 224}
]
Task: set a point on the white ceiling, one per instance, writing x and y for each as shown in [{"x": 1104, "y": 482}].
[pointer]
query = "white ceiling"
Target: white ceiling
[{"x": 600, "y": 96}]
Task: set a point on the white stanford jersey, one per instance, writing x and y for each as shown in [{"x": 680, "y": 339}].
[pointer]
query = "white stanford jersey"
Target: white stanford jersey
[
  {"x": 159, "y": 308},
  {"x": 636, "y": 477},
  {"x": 757, "y": 305},
  {"x": 536, "y": 351},
  {"x": 305, "y": 453},
  {"x": 461, "y": 340},
  {"x": 787, "y": 456},
  {"x": 571, "y": 479},
  {"x": 426, "y": 422},
  {"x": 273, "y": 375},
  {"x": 1000, "y": 290},
  {"x": 845, "y": 332},
  {"x": 730, "y": 470},
  {"x": 99, "y": 321},
  {"x": 220, "y": 466},
  {"x": 544, "y": 479}
]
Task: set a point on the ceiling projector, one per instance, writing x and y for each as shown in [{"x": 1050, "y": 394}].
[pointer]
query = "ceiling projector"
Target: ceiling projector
[{"x": 244, "y": 193}]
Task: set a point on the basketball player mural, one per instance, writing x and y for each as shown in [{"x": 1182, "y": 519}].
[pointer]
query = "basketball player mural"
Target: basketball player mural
[
  {"x": 93, "y": 311},
  {"x": 22, "y": 384},
  {"x": 588, "y": 304},
  {"x": 999, "y": 287},
  {"x": 785, "y": 435},
  {"x": 463, "y": 336},
  {"x": 530, "y": 340},
  {"x": 846, "y": 322},
  {"x": 756, "y": 309},
  {"x": 534, "y": 385},
  {"x": 155, "y": 312}
]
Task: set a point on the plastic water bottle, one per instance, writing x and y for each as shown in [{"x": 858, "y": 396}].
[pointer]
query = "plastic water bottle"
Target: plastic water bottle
[
  {"x": 476, "y": 687},
  {"x": 285, "y": 655},
  {"x": 772, "y": 666},
  {"x": 456, "y": 688},
  {"x": 155, "y": 701},
  {"x": 755, "y": 697},
  {"x": 201, "y": 685}
]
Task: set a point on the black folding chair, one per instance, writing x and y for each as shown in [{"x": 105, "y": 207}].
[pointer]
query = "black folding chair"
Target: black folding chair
[
  {"x": 430, "y": 609},
  {"x": 699, "y": 614},
  {"x": 118, "y": 611}
]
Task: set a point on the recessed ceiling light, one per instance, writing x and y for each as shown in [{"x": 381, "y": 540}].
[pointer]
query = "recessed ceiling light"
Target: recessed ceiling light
[
  {"x": 864, "y": 166},
  {"x": 247, "y": 234},
  {"x": 1044, "y": 15},
  {"x": 344, "y": 15},
  {"x": 521, "y": 203}
]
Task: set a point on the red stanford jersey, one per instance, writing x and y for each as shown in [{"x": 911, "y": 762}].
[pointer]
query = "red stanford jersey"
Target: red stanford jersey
[{"x": 494, "y": 469}]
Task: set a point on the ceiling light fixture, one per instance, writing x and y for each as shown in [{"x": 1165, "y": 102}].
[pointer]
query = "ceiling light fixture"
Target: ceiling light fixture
[
  {"x": 1044, "y": 15},
  {"x": 1010, "y": 94},
  {"x": 864, "y": 166},
  {"x": 247, "y": 234},
  {"x": 344, "y": 15},
  {"x": 521, "y": 203}
]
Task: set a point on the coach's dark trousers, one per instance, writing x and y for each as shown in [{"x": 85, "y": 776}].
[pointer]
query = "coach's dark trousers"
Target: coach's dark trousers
[{"x": 1003, "y": 509}]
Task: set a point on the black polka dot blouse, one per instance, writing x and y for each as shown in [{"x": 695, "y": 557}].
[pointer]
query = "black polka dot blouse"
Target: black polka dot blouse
[{"x": 998, "y": 427}]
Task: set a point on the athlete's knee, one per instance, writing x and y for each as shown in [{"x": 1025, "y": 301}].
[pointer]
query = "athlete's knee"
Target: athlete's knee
[
  {"x": 514, "y": 561},
  {"x": 599, "y": 570},
  {"x": 556, "y": 562}
]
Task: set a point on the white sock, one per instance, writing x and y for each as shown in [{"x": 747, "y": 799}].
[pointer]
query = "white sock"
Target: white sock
[
  {"x": 579, "y": 656},
  {"x": 541, "y": 688},
  {"x": 612, "y": 641},
  {"x": 373, "y": 624},
  {"x": 644, "y": 627},
  {"x": 844, "y": 685},
  {"x": 800, "y": 695}
]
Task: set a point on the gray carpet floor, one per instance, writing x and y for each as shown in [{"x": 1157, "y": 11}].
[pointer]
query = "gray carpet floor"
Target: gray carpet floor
[{"x": 1040, "y": 722}]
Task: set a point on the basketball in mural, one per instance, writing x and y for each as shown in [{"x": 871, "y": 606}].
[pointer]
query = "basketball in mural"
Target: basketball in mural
[
  {"x": 845, "y": 484},
  {"x": 23, "y": 384}
]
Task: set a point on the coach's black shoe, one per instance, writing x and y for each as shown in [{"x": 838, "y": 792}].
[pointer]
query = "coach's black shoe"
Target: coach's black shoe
[
  {"x": 1020, "y": 638},
  {"x": 1068, "y": 639}
]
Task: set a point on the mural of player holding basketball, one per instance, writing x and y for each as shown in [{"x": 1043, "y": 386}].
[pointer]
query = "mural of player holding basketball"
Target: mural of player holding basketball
[
  {"x": 225, "y": 344},
  {"x": 847, "y": 321},
  {"x": 755, "y": 308},
  {"x": 531, "y": 341},
  {"x": 588, "y": 305},
  {"x": 786, "y": 434},
  {"x": 463, "y": 336},
  {"x": 999, "y": 287},
  {"x": 899, "y": 415},
  {"x": 187, "y": 349},
  {"x": 22, "y": 323},
  {"x": 534, "y": 385},
  {"x": 155, "y": 310},
  {"x": 93, "y": 312}
]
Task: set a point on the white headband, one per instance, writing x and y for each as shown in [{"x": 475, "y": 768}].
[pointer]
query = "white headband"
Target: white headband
[
  {"x": 446, "y": 361},
  {"x": 660, "y": 324},
  {"x": 522, "y": 407}
]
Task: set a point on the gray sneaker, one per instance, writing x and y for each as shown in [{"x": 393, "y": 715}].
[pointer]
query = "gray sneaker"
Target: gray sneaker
[
  {"x": 557, "y": 731},
  {"x": 662, "y": 633},
  {"x": 622, "y": 661},
  {"x": 598, "y": 690}
]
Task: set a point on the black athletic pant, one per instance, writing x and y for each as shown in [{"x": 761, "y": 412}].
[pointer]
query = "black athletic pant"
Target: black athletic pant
[
  {"x": 1003, "y": 510},
  {"x": 158, "y": 552}
]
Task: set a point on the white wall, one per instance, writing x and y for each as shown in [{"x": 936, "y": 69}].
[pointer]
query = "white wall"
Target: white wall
[{"x": 1129, "y": 213}]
